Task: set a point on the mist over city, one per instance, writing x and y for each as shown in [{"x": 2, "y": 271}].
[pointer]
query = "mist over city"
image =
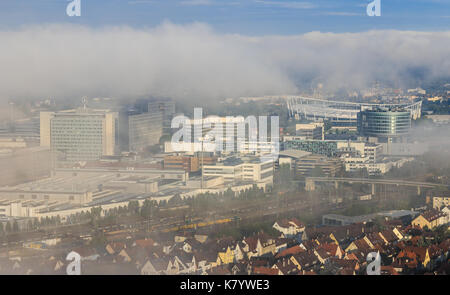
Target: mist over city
[
  {"x": 193, "y": 61},
  {"x": 191, "y": 140}
]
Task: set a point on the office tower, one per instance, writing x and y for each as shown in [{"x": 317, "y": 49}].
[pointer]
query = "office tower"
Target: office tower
[
  {"x": 384, "y": 123},
  {"x": 81, "y": 134},
  {"x": 139, "y": 129},
  {"x": 144, "y": 130},
  {"x": 167, "y": 108}
]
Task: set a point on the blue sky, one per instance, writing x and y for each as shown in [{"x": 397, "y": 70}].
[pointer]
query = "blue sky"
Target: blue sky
[{"x": 250, "y": 17}]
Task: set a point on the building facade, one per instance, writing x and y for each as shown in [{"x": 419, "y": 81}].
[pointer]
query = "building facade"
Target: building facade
[
  {"x": 233, "y": 170},
  {"x": 80, "y": 135},
  {"x": 386, "y": 123},
  {"x": 166, "y": 108},
  {"x": 186, "y": 163},
  {"x": 144, "y": 130},
  {"x": 310, "y": 131},
  {"x": 318, "y": 165}
]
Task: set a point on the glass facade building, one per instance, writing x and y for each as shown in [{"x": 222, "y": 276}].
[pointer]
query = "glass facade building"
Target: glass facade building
[
  {"x": 387, "y": 123},
  {"x": 144, "y": 130},
  {"x": 320, "y": 147}
]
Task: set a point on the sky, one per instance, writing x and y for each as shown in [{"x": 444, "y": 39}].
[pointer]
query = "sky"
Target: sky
[
  {"x": 215, "y": 49},
  {"x": 249, "y": 17}
]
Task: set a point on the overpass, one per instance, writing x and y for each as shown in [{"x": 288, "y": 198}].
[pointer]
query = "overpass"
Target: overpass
[{"x": 310, "y": 182}]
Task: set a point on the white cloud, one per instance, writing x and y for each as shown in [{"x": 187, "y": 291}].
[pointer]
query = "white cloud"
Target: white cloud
[
  {"x": 193, "y": 61},
  {"x": 288, "y": 4},
  {"x": 197, "y": 2},
  {"x": 343, "y": 13}
]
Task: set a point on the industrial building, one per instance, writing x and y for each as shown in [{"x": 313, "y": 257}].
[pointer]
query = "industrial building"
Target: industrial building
[
  {"x": 71, "y": 191},
  {"x": 25, "y": 164}
]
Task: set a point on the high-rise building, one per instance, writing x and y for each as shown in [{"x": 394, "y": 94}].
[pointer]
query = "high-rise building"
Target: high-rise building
[
  {"x": 144, "y": 130},
  {"x": 384, "y": 123},
  {"x": 167, "y": 108},
  {"x": 139, "y": 129},
  {"x": 81, "y": 134}
]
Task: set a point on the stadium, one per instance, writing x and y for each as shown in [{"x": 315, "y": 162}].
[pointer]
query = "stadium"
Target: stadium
[{"x": 339, "y": 113}]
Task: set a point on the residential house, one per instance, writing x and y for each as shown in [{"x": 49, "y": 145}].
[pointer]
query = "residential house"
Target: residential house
[
  {"x": 289, "y": 227},
  {"x": 430, "y": 219},
  {"x": 259, "y": 245},
  {"x": 305, "y": 260}
]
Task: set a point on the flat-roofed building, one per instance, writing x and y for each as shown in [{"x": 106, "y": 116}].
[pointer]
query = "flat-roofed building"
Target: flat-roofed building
[
  {"x": 333, "y": 148},
  {"x": 43, "y": 195},
  {"x": 247, "y": 169},
  {"x": 186, "y": 163},
  {"x": 258, "y": 171},
  {"x": 386, "y": 123},
  {"x": 318, "y": 165},
  {"x": 167, "y": 109},
  {"x": 144, "y": 130},
  {"x": 229, "y": 170},
  {"x": 311, "y": 130},
  {"x": 81, "y": 134}
]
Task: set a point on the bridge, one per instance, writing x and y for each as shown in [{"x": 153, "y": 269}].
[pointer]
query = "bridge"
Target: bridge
[{"x": 310, "y": 182}]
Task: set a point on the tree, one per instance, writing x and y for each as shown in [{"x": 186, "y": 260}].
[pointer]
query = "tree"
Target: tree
[
  {"x": 99, "y": 240},
  {"x": 133, "y": 207},
  {"x": 35, "y": 223},
  {"x": 147, "y": 208},
  {"x": 15, "y": 226},
  {"x": 8, "y": 227},
  {"x": 2, "y": 230},
  {"x": 96, "y": 212}
]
